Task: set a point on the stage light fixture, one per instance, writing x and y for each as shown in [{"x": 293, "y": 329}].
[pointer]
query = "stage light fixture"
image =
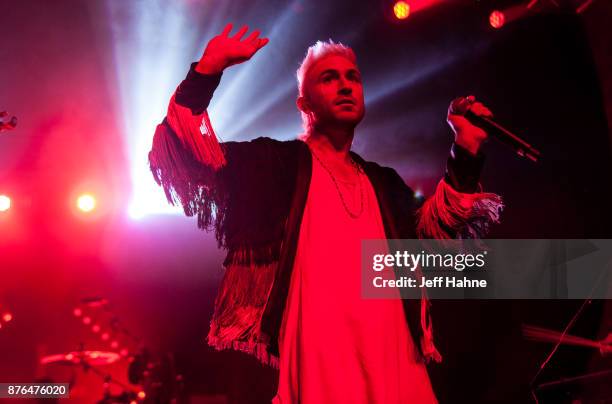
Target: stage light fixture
[
  {"x": 7, "y": 317},
  {"x": 5, "y": 203},
  {"x": 497, "y": 19},
  {"x": 86, "y": 202},
  {"x": 77, "y": 312},
  {"x": 86, "y": 320},
  {"x": 401, "y": 9}
]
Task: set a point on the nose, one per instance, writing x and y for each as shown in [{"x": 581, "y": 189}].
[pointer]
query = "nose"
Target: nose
[{"x": 344, "y": 88}]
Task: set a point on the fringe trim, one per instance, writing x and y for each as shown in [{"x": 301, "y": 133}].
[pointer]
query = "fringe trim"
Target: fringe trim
[
  {"x": 254, "y": 256},
  {"x": 196, "y": 134},
  {"x": 256, "y": 349},
  {"x": 185, "y": 182},
  {"x": 184, "y": 161},
  {"x": 428, "y": 349},
  {"x": 451, "y": 214},
  {"x": 239, "y": 307}
]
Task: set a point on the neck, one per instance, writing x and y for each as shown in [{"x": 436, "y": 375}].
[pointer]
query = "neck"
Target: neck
[{"x": 332, "y": 143}]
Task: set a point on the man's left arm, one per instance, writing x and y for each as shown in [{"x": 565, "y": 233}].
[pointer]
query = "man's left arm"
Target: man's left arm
[{"x": 459, "y": 208}]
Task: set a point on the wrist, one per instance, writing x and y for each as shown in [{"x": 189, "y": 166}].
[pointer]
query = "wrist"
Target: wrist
[
  {"x": 471, "y": 145},
  {"x": 209, "y": 65}
]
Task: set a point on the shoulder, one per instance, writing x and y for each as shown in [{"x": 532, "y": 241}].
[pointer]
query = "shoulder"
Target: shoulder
[
  {"x": 261, "y": 144},
  {"x": 263, "y": 155}
]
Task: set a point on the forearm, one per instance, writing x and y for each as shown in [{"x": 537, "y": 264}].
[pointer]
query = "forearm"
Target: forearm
[
  {"x": 185, "y": 153},
  {"x": 458, "y": 208},
  {"x": 188, "y": 119},
  {"x": 196, "y": 90},
  {"x": 463, "y": 169}
]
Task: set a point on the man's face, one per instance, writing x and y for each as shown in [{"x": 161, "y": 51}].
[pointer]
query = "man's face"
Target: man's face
[{"x": 333, "y": 92}]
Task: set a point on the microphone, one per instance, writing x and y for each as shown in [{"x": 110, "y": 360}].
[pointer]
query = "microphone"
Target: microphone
[{"x": 521, "y": 147}]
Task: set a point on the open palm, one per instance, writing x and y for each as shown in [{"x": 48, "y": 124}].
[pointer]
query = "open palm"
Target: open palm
[{"x": 224, "y": 50}]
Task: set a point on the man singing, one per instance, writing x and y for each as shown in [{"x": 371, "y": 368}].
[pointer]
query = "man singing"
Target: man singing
[{"x": 292, "y": 215}]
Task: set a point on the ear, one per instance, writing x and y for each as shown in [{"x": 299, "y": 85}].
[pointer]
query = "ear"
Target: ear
[{"x": 302, "y": 104}]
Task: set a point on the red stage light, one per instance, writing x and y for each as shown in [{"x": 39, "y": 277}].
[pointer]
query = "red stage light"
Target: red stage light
[
  {"x": 5, "y": 203},
  {"x": 105, "y": 336},
  {"x": 141, "y": 395},
  {"x": 7, "y": 317},
  {"x": 401, "y": 9},
  {"x": 77, "y": 312},
  {"x": 114, "y": 344},
  {"x": 86, "y": 320},
  {"x": 497, "y": 19},
  {"x": 86, "y": 202},
  {"x": 95, "y": 328},
  {"x": 124, "y": 352}
]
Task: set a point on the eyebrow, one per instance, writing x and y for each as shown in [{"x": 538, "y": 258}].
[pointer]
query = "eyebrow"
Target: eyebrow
[{"x": 351, "y": 71}]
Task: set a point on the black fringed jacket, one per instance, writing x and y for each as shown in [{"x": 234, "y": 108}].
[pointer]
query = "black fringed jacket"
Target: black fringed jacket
[{"x": 255, "y": 200}]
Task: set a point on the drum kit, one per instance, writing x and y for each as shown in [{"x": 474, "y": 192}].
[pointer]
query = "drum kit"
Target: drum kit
[
  {"x": 152, "y": 377},
  {"x": 159, "y": 383}
]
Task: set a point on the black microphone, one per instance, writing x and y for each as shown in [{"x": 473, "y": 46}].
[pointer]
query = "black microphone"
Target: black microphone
[{"x": 521, "y": 147}]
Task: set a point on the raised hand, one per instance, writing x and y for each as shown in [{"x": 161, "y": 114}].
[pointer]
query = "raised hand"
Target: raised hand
[
  {"x": 467, "y": 135},
  {"x": 224, "y": 51}
]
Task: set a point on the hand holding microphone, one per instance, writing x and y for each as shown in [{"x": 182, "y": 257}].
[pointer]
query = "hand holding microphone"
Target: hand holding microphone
[{"x": 472, "y": 121}]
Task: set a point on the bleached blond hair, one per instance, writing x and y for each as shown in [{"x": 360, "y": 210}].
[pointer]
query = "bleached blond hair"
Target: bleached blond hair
[{"x": 315, "y": 53}]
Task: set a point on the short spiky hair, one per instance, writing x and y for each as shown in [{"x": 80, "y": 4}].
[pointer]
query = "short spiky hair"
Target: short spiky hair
[{"x": 315, "y": 53}]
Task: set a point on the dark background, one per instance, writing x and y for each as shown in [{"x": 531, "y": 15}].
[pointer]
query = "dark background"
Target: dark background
[{"x": 64, "y": 69}]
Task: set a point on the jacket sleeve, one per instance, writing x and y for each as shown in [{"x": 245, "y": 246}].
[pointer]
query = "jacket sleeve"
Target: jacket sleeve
[
  {"x": 186, "y": 158},
  {"x": 458, "y": 208}
]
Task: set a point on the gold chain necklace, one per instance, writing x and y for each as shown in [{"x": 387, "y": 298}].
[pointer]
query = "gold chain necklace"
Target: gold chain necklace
[{"x": 359, "y": 171}]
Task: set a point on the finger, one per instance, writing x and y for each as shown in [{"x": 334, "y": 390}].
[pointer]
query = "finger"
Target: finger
[
  {"x": 477, "y": 106},
  {"x": 240, "y": 33},
  {"x": 227, "y": 30},
  {"x": 459, "y": 106},
  {"x": 262, "y": 42},
  {"x": 480, "y": 110},
  {"x": 253, "y": 36}
]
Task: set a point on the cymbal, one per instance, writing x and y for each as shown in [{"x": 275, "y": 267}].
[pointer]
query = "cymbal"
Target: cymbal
[{"x": 93, "y": 358}]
